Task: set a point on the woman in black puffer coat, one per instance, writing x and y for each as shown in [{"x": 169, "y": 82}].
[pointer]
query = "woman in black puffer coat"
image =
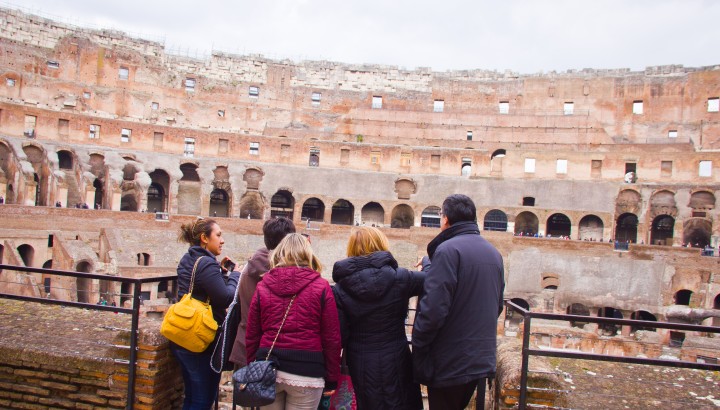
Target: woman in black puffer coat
[{"x": 372, "y": 296}]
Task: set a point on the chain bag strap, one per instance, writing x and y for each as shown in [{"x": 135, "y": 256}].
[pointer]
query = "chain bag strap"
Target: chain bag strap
[{"x": 281, "y": 326}]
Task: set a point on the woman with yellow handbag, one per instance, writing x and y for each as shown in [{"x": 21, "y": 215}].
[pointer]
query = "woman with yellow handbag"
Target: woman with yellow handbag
[{"x": 200, "y": 274}]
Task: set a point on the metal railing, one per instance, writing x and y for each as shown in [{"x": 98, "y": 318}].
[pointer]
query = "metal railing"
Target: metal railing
[
  {"x": 527, "y": 351},
  {"x": 134, "y": 311}
]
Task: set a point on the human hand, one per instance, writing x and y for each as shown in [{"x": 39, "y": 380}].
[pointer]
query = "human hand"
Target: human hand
[
  {"x": 328, "y": 392},
  {"x": 227, "y": 265}
]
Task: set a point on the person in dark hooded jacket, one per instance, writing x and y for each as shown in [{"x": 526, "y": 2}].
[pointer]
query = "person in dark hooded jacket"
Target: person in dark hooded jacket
[
  {"x": 206, "y": 242},
  {"x": 372, "y": 295},
  {"x": 307, "y": 347}
]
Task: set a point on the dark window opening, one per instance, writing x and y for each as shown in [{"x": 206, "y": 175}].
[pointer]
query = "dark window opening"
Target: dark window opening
[{"x": 528, "y": 201}]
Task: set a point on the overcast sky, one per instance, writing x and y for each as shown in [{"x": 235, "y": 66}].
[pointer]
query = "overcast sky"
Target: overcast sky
[{"x": 526, "y": 36}]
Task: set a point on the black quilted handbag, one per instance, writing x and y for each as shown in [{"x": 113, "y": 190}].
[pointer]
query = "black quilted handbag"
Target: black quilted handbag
[{"x": 254, "y": 384}]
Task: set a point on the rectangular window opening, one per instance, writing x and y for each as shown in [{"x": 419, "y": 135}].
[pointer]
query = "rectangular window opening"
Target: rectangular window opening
[
  {"x": 596, "y": 168},
  {"x": 713, "y": 104},
  {"x": 405, "y": 159},
  {"x": 254, "y": 148},
  {"x": 189, "y": 84},
  {"x": 29, "y": 130},
  {"x": 316, "y": 99},
  {"x": 672, "y": 134},
  {"x": 435, "y": 160},
  {"x": 94, "y": 131},
  {"x": 123, "y": 73},
  {"x": 53, "y": 64},
  {"x": 666, "y": 168},
  {"x": 568, "y": 108},
  {"x": 375, "y": 157},
  {"x": 561, "y": 167},
  {"x": 189, "y": 150},
  {"x": 377, "y": 102},
  {"x": 254, "y": 91},
  {"x": 705, "y": 169},
  {"x": 344, "y": 156},
  {"x": 87, "y": 95},
  {"x": 155, "y": 106},
  {"x": 125, "y": 135},
  {"x": 504, "y": 107},
  {"x": 469, "y": 135},
  {"x": 285, "y": 150},
  {"x": 438, "y": 105},
  {"x": 10, "y": 82},
  {"x": 529, "y": 165},
  {"x": 221, "y": 113},
  {"x": 637, "y": 107}
]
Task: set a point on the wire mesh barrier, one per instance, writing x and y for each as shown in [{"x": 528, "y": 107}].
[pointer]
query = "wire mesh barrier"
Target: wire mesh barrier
[
  {"x": 105, "y": 342},
  {"x": 595, "y": 373}
]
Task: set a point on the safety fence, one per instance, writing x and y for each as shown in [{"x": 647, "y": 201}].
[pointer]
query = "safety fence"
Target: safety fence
[
  {"x": 662, "y": 362},
  {"x": 133, "y": 299}
]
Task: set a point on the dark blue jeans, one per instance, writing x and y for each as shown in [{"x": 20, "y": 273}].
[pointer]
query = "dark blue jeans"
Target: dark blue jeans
[{"x": 201, "y": 382}]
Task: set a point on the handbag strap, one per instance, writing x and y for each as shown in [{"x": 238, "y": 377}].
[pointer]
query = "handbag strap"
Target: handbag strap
[
  {"x": 281, "y": 326},
  {"x": 192, "y": 277}
]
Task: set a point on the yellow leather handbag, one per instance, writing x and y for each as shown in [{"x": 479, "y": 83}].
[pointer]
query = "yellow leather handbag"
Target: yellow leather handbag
[{"x": 190, "y": 322}]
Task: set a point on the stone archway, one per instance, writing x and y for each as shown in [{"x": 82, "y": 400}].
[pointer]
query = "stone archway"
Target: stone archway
[
  {"x": 642, "y": 315},
  {"x": 626, "y": 228},
  {"x": 610, "y": 312},
  {"x": 84, "y": 285},
  {"x": 558, "y": 225},
  {"x": 313, "y": 209},
  {"x": 662, "y": 230},
  {"x": 372, "y": 214},
  {"x": 219, "y": 203},
  {"x": 578, "y": 309},
  {"x": 591, "y": 228},
  {"x": 157, "y": 193},
  {"x": 697, "y": 232},
  {"x": 282, "y": 204},
  {"x": 495, "y": 220},
  {"x": 402, "y": 216},
  {"x": 526, "y": 223},
  {"x": 27, "y": 254},
  {"x": 343, "y": 213}
]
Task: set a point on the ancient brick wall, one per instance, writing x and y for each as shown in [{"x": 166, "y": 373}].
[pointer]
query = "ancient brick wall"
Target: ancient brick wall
[{"x": 55, "y": 357}]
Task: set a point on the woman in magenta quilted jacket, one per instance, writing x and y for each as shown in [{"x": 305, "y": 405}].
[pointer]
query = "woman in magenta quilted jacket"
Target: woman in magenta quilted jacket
[{"x": 307, "y": 350}]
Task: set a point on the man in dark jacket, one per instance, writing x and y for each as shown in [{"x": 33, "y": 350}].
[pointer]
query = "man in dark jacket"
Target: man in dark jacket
[{"x": 455, "y": 331}]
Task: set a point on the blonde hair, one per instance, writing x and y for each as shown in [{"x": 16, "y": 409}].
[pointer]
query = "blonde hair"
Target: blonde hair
[
  {"x": 366, "y": 240},
  {"x": 295, "y": 250}
]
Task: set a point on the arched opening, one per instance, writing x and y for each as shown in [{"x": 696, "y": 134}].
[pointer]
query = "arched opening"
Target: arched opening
[
  {"x": 27, "y": 254},
  {"x": 697, "y": 232},
  {"x": 128, "y": 203},
  {"x": 662, "y": 230},
  {"x": 282, "y": 204},
  {"x": 558, "y": 225},
  {"x": 313, "y": 210},
  {"x": 252, "y": 205},
  {"x": 99, "y": 193},
  {"x": 626, "y": 228},
  {"x": 37, "y": 157},
  {"x": 610, "y": 329},
  {"x": 343, "y": 213},
  {"x": 65, "y": 160},
  {"x": 591, "y": 228},
  {"x": 701, "y": 202},
  {"x": 526, "y": 224},
  {"x": 430, "y": 217},
  {"x": 129, "y": 172},
  {"x": 219, "y": 205},
  {"x": 155, "y": 198},
  {"x": 372, "y": 214},
  {"x": 402, "y": 216},
  {"x": 161, "y": 182},
  {"x": 496, "y": 161},
  {"x": 716, "y": 305},
  {"x": 642, "y": 315},
  {"x": 84, "y": 285},
  {"x": 47, "y": 264},
  {"x": 495, "y": 220},
  {"x": 143, "y": 259},
  {"x": 578, "y": 309},
  {"x": 682, "y": 297},
  {"x": 466, "y": 168}
]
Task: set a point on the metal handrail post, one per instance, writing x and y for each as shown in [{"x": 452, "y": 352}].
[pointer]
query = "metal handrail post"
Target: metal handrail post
[
  {"x": 525, "y": 362},
  {"x": 137, "y": 287}
]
